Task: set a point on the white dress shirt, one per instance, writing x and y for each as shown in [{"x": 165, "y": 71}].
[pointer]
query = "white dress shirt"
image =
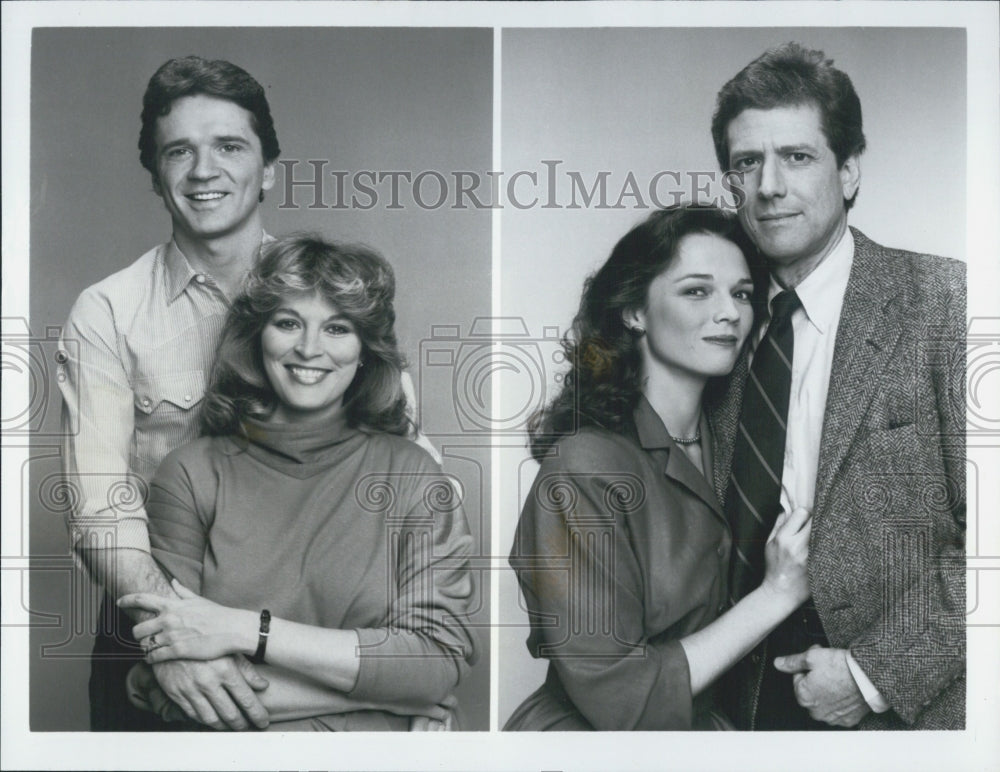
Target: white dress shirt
[{"x": 815, "y": 326}]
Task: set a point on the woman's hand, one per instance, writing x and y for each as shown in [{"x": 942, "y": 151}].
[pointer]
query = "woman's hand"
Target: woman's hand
[
  {"x": 786, "y": 554},
  {"x": 190, "y": 627},
  {"x": 714, "y": 649}
]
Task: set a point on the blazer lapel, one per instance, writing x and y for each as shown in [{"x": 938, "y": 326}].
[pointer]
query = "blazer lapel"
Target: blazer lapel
[
  {"x": 870, "y": 326},
  {"x": 653, "y": 437},
  {"x": 723, "y": 401}
]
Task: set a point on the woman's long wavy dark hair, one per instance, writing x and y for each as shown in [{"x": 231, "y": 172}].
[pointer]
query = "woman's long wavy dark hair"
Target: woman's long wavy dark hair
[
  {"x": 603, "y": 385},
  {"x": 361, "y": 284}
]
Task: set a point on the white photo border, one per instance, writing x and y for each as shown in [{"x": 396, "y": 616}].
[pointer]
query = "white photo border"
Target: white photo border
[{"x": 974, "y": 748}]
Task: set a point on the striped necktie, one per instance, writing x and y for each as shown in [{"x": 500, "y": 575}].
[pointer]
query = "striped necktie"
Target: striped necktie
[{"x": 753, "y": 498}]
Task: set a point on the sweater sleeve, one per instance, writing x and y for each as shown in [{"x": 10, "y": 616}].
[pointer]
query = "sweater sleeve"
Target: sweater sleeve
[
  {"x": 178, "y": 531},
  {"x": 426, "y": 645},
  {"x": 582, "y": 583}
]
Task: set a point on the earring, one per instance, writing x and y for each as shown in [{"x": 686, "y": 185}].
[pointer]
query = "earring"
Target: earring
[
  {"x": 637, "y": 331},
  {"x": 260, "y": 196}
]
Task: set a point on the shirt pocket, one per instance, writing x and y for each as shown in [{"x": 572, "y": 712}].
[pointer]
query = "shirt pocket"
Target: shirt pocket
[{"x": 167, "y": 408}]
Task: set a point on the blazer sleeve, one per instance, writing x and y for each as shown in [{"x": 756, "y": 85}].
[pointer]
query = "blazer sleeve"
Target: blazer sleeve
[
  {"x": 917, "y": 649},
  {"x": 582, "y": 583},
  {"x": 427, "y": 644}
]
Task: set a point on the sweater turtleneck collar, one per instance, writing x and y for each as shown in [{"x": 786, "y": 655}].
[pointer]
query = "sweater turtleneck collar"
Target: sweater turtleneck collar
[{"x": 301, "y": 448}]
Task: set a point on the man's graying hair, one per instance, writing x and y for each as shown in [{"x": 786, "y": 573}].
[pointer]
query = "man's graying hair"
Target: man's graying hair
[{"x": 787, "y": 76}]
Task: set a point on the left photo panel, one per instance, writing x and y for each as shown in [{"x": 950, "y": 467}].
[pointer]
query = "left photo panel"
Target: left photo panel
[{"x": 257, "y": 494}]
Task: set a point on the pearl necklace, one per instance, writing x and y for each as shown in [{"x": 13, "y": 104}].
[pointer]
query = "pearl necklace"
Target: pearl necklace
[{"x": 687, "y": 440}]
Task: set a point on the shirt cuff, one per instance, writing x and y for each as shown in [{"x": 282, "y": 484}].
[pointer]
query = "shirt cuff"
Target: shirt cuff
[
  {"x": 871, "y": 694},
  {"x": 128, "y": 533}
]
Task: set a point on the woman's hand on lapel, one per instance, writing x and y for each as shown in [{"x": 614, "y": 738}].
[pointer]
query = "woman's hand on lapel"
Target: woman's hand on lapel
[{"x": 786, "y": 555}]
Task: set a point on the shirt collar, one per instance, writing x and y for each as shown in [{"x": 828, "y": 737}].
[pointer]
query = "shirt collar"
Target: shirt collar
[
  {"x": 179, "y": 273},
  {"x": 822, "y": 291},
  {"x": 649, "y": 427}
]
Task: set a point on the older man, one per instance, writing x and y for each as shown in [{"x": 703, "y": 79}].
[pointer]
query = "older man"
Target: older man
[{"x": 843, "y": 412}]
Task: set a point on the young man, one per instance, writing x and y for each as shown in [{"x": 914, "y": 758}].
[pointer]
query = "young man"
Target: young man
[
  {"x": 843, "y": 413},
  {"x": 146, "y": 338}
]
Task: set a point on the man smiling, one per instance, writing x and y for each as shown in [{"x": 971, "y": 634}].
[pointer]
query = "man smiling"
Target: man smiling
[
  {"x": 209, "y": 171},
  {"x": 850, "y": 420},
  {"x": 147, "y": 338}
]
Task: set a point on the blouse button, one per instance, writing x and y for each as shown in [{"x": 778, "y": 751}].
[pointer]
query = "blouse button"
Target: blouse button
[
  {"x": 187, "y": 397},
  {"x": 200, "y": 278}
]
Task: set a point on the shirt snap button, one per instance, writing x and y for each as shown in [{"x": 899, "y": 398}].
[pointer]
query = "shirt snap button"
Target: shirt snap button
[
  {"x": 200, "y": 278},
  {"x": 187, "y": 397}
]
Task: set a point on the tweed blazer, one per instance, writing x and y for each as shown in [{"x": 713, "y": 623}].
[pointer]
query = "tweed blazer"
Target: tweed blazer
[{"x": 887, "y": 551}]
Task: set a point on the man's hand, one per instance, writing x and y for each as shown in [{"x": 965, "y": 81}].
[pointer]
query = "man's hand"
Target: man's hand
[
  {"x": 442, "y": 722},
  {"x": 824, "y": 685},
  {"x": 219, "y": 692},
  {"x": 190, "y": 626},
  {"x": 426, "y": 724},
  {"x": 145, "y": 694}
]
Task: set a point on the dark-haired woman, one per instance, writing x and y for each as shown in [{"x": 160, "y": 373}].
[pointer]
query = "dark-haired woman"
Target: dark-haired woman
[
  {"x": 304, "y": 529},
  {"x": 622, "y": 548}
]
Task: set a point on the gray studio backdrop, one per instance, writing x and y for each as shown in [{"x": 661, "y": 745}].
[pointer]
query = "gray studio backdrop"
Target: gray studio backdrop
[
  {"x": 640, "y": 101},
  {"x": 350, "y": 100}
]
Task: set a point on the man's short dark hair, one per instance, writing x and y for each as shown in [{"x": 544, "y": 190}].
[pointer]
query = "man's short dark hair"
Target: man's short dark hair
[
  {"x": 792, "y": 75},
  {"x": 193, "y": 75}
]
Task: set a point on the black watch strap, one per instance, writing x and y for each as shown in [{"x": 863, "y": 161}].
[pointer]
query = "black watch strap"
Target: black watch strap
[{"x": 265, "y": 630}]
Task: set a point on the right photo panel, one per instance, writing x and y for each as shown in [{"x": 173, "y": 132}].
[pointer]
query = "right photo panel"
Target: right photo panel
[{"x": 735, "y": 495}]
